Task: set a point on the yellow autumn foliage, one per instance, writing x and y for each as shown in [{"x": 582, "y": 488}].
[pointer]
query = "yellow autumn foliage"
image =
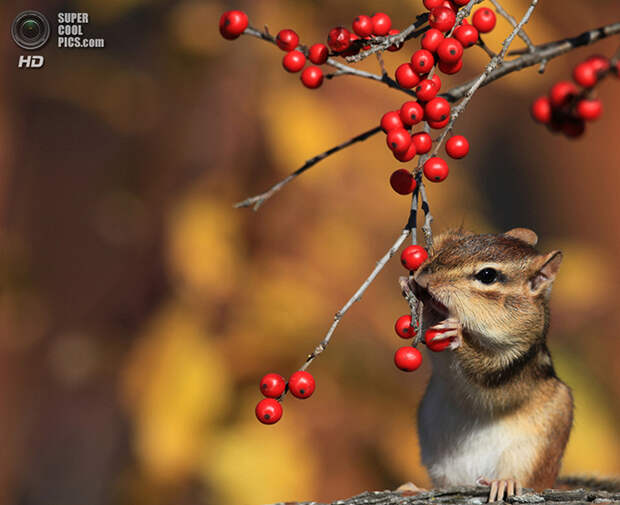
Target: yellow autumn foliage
[{"x": 175, "y": 384}]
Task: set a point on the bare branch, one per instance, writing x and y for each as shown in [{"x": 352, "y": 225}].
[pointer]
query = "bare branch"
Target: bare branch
[
  {"x": 357, "y": 296},
  {"x": 258, "y": 200},
  {"x": 543, "y": 52},
  {"x": 522, "y": 35}
]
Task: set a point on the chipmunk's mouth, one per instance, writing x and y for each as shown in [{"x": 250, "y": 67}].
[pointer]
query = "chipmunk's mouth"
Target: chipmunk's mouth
[{"x": 431, "y": 304}]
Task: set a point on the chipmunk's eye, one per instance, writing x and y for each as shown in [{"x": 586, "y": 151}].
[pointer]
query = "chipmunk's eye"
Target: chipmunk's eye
[{"x": 487, "y": 275}]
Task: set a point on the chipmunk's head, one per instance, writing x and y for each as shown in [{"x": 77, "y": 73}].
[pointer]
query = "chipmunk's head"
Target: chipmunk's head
[{"x": 497, "y": 286}]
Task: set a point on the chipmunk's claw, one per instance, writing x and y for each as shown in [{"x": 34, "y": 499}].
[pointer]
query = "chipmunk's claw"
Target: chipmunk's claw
[
  {"x": 409, "y": 489},
  {"x": 500, "y": 488},
  {"x": 451, "y": 329}
]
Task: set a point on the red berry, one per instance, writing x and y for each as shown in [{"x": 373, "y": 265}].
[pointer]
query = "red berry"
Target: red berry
[
  {"x": 422, "y": 61},
  {"x": 408, "y": 155},
  {"x": 272, "y": 385},
  {"x": 411, "y": 113},
  {"x": 438, "y": 125},
  {"x": 301, "y": 384},
  {"x": 312, "y": 77},
  {"x": 398, "y": 140},
  {"x": 362, "y": 25},
  {"x": 450, "y": 50},
  {"x": 394, "y": 47},
  {"x": 268, "y": 411},
  {"x": 437, "y": 109},
  {"x": 391, "y": 120},
  {"x": 573, "y": 127},
  {"x": 339, "y": 38},
  {"x": 442, "y": 18},
  {"x": 450, "y": 68},
  {"x": 426, "y": 90},
  {"x": 381, "y": 23},
  {"x": 294, "y": 61},
  {"x": 457, "y": 147},
  {"x": 584, "y": 74},
  {"x": 435, "y": 78},
  {"x": 402, "y": 181},
  {"x": 435, "y": 169},
  {"x": 233, "y": 24},
  {"x": 561, "y": 93},
  {"x": 600, "y": 63},
  {"x": 406, "y": 77},
  {"x": 541, "y": 110},
  {"x": 353, "y": 48},
  {"x": 403, "y": 327},
  {"x": 461, "y": 2},
  {"x": 318, "y": 54},
  {"x": 431, "y": 39},
  {"x": 422, "y": 142},
  {"x": 450, "y": 5},
  {"x": 438, "y": 345},
  {"x": 431, "y": 4},
  {"x": 287, "y": 40},
  {"x": 589, "y": 109},
  {"x": 467, "y": 35},
  {"x": 408, "y": 359},
  {"x": 484, "y": 20},
  {"x": 413, "y": 256}
]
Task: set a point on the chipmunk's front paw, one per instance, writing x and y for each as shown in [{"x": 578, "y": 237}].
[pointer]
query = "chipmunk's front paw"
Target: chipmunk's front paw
[
  {"x": 409, "y": 489},
  {"x": 501, "y": 488},
  {"x": 451, "y": 329}
]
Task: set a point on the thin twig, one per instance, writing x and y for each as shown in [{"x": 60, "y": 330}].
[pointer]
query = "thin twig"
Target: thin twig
[
  {"x": 492, "y": 65},
  {"x": 357, "y": 296},
  {"x": 258, "y": 200},
  {"x": 487, "y": 49},
  {"x": 522, "y": 35}
]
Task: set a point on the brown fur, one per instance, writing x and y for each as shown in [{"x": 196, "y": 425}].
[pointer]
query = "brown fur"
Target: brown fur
[{"x": 503, "y": 365}]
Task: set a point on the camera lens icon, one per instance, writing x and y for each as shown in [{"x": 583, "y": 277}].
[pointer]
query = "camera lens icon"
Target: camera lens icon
[{"x": 30, "y": 30}]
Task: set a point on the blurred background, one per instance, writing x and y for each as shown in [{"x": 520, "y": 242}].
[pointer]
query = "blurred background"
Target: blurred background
[{"x": 139, "y": 310}]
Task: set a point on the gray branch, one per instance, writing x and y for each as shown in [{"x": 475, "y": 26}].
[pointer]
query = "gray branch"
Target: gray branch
[{"x": 478, "y": 496}]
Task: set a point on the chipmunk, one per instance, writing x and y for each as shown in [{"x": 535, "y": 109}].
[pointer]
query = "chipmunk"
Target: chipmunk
[{"x": 494, "y": 412}]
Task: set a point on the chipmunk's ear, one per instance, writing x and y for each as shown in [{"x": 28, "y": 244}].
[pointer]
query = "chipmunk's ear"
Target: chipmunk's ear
[
  {"x": 545, "y": 274},
  {"x": 524, "y": 234}
]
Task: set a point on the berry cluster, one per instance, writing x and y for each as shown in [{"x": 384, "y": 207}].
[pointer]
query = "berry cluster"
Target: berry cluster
[
  {"x": 441, "y": 45},
  {"x": 274, "y": 387},
  {"x": 567, "y": 108},
  {"x": 408, "y": 358}
]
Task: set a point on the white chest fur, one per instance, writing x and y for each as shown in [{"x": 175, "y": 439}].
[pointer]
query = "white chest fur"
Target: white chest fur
[{"x": 460, "y": 445}]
